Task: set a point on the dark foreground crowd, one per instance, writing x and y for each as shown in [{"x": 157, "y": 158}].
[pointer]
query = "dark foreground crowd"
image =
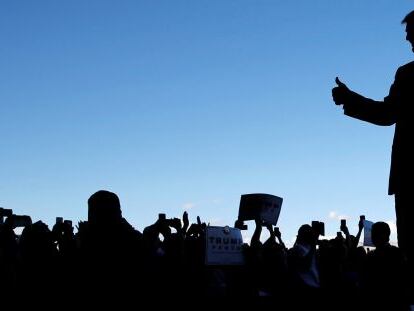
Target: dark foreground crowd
[{"x": 108, "y": 259}]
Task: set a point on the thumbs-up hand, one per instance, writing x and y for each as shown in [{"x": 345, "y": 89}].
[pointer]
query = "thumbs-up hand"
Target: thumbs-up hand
[
  {"x": 339, "y": 83},
  {"x": 341, "y": 93}
]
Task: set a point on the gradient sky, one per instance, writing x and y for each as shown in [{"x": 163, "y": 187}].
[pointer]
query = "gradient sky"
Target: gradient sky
[{"x": 180, "y": 105}]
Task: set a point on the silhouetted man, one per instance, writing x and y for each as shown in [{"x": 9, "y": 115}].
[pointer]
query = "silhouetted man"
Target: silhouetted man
[
  {"x": 397, "y": 108},
  {"x": 384, "y": 278},
  {"x": 109, "y": 248}
]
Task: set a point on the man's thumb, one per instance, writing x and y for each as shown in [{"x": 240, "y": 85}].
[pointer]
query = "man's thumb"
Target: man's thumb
[{"x": 339, "y": 83}]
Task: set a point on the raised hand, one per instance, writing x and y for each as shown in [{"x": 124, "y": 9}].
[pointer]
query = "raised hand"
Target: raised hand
[
  {"x": 344, "y": 229},
  {"x": 269, "y": 227},
  {"x": 361, "y": 224},
  {"x": 186, "y": 222},
  {"x": 175, "y": 223},
  {"x": 255, "y": 240},
  {"x": 202, "y": 225},
  {"x": 341, "y": 93},
  {"x": 277, "y": 233}
]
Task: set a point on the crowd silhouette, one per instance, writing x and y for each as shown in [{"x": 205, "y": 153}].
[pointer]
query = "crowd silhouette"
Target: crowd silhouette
[{"x": 107, "y": 257}]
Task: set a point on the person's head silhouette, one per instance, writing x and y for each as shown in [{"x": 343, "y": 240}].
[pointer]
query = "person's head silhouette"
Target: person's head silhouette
[
  {"x": 409, "y": 28},
  {"x": 306, "y": 235},
  {"x": 104, "y": 208},
  {"x": 380, "y": 234}
]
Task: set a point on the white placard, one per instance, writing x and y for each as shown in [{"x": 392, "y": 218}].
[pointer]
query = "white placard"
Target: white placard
[{"x": 224, "y": 246}]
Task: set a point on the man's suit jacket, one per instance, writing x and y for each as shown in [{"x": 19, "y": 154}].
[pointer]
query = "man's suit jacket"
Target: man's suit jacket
[{"x": 397, "y": 108}]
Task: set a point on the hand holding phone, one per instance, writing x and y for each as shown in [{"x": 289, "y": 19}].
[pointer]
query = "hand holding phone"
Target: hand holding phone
[
  {"x": 239, "y": 224},
  {"x": 318, "y": 227},
  {"x": 361, "y": 222},
  {"x": 175, "y": 223},
  {"x": 19, "y": 220},
  {"x": 5, "y": 212}
]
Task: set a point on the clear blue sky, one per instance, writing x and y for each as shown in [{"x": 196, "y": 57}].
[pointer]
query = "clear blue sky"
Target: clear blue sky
[{"x": 189, "y": 104}]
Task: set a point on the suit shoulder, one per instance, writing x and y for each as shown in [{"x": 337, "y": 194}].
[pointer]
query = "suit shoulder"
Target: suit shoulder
[{"x": 409, "y": 67}]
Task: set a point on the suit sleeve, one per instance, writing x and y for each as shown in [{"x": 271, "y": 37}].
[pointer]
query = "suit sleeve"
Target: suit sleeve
[{"x": 376, "y": 112}]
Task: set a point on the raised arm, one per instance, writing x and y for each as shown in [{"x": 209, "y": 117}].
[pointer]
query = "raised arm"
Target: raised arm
[
  {"x": 357, "y": 106},
  {"x": 360, "y": 228},
  {"x": 255, "y": 241}
]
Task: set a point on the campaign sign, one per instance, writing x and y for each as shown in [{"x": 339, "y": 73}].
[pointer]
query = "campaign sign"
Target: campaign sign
[
  {"x": 224, "y": 246},
  {"x": 367, "y": 233},
  {"x": 265, "y": 206}
]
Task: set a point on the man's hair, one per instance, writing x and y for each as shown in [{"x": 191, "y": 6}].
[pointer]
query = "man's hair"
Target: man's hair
[
  {"x": 380, "y": 232},
  {"x": 305, "y": 234},
  {"x": 104, "y": 207},
  {"x": 409, "y": 18}
]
